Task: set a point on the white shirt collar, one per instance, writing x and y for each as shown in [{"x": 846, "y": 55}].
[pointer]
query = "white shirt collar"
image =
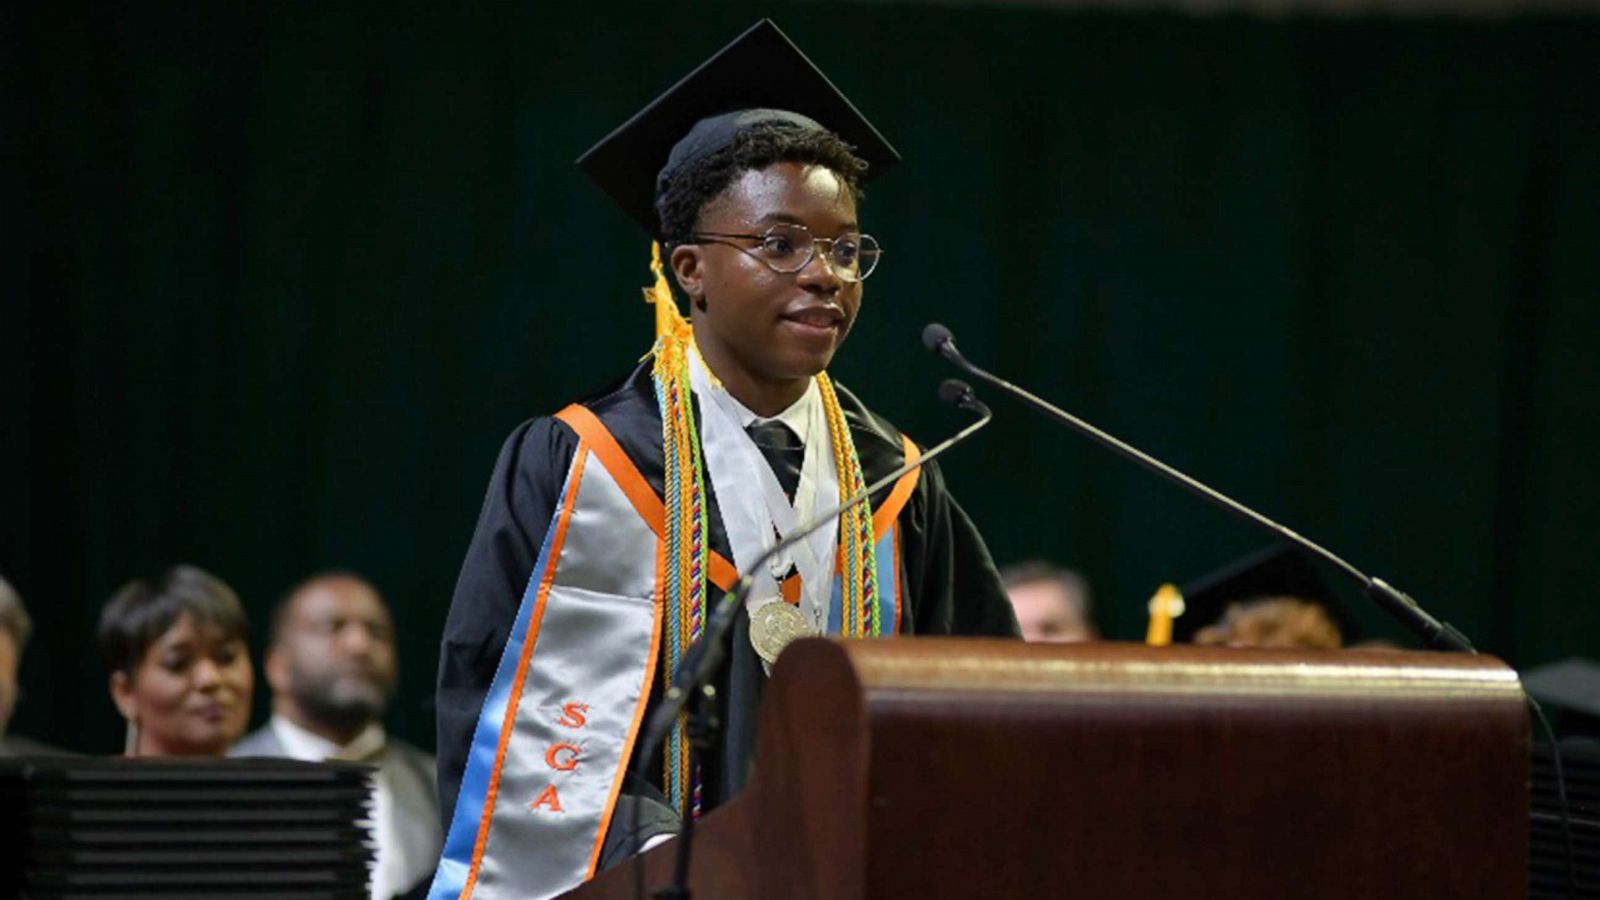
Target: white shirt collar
[
  {"x": 797, "y": 416},
  {"x": 302, "y": 744}
]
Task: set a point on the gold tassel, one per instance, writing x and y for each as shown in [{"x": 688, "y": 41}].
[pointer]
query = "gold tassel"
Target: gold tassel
[
  {"x": 668, "y": 320},
  {"x": 1166, "y": 605}
]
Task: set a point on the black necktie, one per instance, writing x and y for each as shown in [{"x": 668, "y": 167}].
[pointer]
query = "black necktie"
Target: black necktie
[{"x": 783, "y": 451}]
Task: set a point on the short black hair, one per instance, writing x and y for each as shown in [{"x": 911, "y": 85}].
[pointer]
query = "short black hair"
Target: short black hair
[
  {"x": 680, "y": 201},
  {"x": 142, "y": 610}
]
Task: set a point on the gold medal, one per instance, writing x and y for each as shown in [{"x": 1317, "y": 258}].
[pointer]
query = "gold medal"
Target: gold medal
[{"x": 773, "y": 626}]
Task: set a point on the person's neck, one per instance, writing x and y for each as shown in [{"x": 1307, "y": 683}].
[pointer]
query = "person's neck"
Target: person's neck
[
  {"x": 339, "y": 734},
  {"x": 762, "y": 396}
]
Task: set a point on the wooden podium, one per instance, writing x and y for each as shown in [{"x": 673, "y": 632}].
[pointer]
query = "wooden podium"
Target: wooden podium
[{"x": 945, "y": 767}]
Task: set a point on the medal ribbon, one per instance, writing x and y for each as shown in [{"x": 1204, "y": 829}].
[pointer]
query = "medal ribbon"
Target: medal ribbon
[{"x": 756, "y": 519}]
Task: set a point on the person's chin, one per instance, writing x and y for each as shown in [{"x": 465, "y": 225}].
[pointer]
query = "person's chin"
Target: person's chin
[
  {"x": 362, "y": 695},
  {"x": 806, "y": 340},
  {"x": 349, "y": 706},
  {"x": 802, "y": 362}
]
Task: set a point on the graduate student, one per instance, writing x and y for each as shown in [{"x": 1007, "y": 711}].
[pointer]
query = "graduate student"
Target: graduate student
[{"x": 611, "y": 528}]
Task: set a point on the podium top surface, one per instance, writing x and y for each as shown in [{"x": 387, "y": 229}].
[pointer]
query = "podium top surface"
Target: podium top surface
[{"x": 1067, "y": 670}]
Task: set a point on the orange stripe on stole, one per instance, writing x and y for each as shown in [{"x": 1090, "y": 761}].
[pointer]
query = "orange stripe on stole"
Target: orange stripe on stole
[
  {"x": 645, "y": 502},
  {"x": 885, "y": 515}
]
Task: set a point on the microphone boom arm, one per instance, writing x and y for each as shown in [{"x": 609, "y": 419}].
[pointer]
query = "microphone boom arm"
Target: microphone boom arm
[{"x": 1434, "y": 633}]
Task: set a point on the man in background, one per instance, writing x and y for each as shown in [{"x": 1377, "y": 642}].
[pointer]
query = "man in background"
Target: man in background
[
  {"x": 332, "y": 667},
  {"x": 1051, "y": 603}
]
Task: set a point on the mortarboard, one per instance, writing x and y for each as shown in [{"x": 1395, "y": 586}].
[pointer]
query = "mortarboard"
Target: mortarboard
[
  {"x": 760, "y": 77},
  {"x": 1276, "y": 571}
]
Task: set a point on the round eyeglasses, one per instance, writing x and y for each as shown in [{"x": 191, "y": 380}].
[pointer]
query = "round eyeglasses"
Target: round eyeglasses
[{"x": 788, "y": 248}]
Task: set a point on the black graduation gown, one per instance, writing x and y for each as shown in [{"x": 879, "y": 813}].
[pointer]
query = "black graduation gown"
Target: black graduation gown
[{"x": 950, "y": 583}]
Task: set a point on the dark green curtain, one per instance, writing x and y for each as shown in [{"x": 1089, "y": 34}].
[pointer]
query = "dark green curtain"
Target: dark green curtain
[{"x": 279, "y": 279}]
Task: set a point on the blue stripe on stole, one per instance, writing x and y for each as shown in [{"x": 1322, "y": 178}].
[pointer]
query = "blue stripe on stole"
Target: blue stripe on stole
[
  {"x": 884, "y": 551},
  {"x": 888, "y": 579},
  {"x": 456, "y": 860}
]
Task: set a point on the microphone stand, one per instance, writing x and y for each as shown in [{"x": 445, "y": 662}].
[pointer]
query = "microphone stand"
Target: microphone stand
[
  {"x": 1434, "y": 633},
  {"x": 692, "y": 680}
]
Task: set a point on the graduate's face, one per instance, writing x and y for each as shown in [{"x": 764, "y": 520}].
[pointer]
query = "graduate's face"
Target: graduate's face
[{"x": 765, "y": 333}]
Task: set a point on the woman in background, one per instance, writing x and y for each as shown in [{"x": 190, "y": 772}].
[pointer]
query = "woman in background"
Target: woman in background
[{"x": 180, "y": 663}]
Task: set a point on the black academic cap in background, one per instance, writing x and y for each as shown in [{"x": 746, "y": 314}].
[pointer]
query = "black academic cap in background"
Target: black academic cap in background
[
  {"x": 761, "y": 70},
  {"x": 1280, "y": 570}
]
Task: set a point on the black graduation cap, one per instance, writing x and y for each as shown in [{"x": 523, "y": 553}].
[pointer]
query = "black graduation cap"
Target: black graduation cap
[
  {"x": 1279, "y": 570},
  {"x": 761, "y": 76}
]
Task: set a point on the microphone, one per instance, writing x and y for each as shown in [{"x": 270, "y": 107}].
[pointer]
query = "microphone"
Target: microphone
[
  {"x": 956, "y": 392},
  {"x": 1435, "y": 634},
  {"x": 702, "y": 660}
]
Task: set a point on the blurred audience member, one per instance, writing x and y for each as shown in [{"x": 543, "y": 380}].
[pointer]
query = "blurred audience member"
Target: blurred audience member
[
  {"x": 1273, "y": 622},
  {"x": 1274, "y": 596},
  {"x": 333, "y": 670},
  {"x": 180, "y": 664},
  {"x": 15, "y": 626},
  {"x": 1052, "y": 603}
]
